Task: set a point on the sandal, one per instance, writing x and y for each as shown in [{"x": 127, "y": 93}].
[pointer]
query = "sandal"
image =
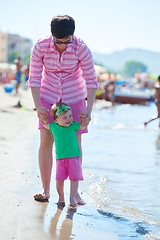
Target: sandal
[{"x": 41, "y": 198}]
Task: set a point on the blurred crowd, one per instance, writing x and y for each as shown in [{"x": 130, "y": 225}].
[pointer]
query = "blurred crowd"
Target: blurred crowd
[
  {"x": 14, "y": 74},
  {"x": 110, "y": 82}
]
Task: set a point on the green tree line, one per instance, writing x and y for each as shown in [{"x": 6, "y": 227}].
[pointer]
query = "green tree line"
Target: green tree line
[{"x": 15, "y": 54}]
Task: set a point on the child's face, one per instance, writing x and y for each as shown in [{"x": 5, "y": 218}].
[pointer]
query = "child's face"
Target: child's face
[{"x": 65, "y": 119}]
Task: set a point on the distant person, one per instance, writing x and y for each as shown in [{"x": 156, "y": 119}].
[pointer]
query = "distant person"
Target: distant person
[
  {"x": 61, "y": 68},
  {"x": 1, "y": 77},
  {"x": 17, "y": 62},
  {"x": 110, "y": 91},
  {"x": 68, "y": 162},
  {"x": 157, "y": 101},
  {"x": 26, "y": 72}
]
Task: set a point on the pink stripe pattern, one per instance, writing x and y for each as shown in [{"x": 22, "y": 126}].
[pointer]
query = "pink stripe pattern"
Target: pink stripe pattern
[{"x": 64, "y": 77}]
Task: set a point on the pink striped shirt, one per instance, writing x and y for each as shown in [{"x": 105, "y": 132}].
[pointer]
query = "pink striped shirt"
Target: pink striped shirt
[{"x": 62, "y": 77}]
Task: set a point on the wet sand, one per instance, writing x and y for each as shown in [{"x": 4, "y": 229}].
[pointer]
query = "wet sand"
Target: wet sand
[{"x": 22, "y": 218}]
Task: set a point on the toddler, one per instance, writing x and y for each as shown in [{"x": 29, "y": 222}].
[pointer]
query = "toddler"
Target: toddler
[{"x": 68, "y": 163}]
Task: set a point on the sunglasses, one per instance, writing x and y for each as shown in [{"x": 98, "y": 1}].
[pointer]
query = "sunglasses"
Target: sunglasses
[{"x": 66, "y": 42}]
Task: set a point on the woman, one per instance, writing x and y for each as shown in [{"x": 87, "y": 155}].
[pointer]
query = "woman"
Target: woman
[{"x": 59, "y": 65}]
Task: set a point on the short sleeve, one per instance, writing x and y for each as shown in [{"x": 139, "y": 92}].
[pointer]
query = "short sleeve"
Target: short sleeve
[
  {"x": 51, "y": 126},
  {"x": 75, "y": 125}
]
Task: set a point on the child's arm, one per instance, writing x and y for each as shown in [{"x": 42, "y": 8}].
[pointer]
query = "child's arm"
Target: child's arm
[{"x": 46, "y": 126}]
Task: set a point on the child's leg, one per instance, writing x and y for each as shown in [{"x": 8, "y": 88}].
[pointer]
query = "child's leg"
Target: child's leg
[
  {"x": 73, "y": 192},
  {"x": 75, "y": 174},
  {"x": 60, "y": 190},
  {"x": 61, "y": 175}
]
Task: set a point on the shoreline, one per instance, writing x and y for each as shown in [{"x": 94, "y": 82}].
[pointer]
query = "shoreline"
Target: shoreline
[{"x": 22, "y": 218}]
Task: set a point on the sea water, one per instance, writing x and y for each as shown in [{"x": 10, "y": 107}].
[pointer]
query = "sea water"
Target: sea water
[
  {"x": 121, "y": 165},
  {"x": 121, "y": 168}
]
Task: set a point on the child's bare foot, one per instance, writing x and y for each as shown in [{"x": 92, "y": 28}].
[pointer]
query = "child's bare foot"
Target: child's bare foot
[
  {"x": 60, "y": 205},
  {"x": 73, "y": 202},
  {"x": 73, "y": 206},
  {"x": 61, "y": 201},
  {"x": 79, "y": 200}
]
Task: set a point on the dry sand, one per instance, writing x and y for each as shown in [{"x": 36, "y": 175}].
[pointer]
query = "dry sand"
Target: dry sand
[{"x": 22, "y": 218}]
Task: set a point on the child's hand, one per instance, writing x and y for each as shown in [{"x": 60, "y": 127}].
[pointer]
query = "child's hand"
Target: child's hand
[
  {"x": 42, "y": 114},
  {"x": 85, "y": 117},
  {"x": 82, "y": 126}
]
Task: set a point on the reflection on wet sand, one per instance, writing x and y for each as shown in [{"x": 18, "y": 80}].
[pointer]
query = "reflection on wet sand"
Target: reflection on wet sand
[
  {"x": 52, "y": 231},
  {"x": 158, "y": 144},
  {"x": 66, "y": 227}
]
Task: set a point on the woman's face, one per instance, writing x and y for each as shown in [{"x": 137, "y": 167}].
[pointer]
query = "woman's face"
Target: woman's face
[{"x": 63, "y": 42}]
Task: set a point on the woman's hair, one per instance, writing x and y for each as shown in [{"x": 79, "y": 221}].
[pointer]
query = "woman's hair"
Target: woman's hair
[
  {"x": 62, "y": 26},
  {"x": 54, "y": 109}
]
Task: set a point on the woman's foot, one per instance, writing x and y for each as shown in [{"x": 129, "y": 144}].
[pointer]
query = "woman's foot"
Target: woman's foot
[{"x": 42, "y": 197}]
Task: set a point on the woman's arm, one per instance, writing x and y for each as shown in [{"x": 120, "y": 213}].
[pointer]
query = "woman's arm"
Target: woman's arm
[
  {"x": 89, "y": 74},
  {"x": 86, "y": 115},
  {"x": 91, "y": 95},
  {"x": 36, "y": 96},
  {"x": 41, "y": 111}
]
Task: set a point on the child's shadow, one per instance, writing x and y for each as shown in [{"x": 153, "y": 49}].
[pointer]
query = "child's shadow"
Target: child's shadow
[{"x": 67, "y": 225}]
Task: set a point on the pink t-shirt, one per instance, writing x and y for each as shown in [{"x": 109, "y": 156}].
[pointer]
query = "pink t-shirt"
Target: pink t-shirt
[{"x": 62, "y": 77}]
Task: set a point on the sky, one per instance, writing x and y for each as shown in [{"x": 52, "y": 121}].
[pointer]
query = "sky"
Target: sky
[{"x": 104, "y": 25}]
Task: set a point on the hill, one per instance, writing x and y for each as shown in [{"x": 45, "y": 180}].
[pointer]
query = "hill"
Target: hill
[{"x": 117, "y": 59}]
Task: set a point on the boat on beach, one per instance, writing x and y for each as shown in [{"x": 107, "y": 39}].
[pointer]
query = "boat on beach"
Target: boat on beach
[
  {"x": 133, "y": 96},
  {"x": 127, "y": 95}
]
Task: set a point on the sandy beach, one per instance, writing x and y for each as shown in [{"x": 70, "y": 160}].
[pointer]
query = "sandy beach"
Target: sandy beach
[
  {"x": 22, "y": 218},
  {"x": 119, "y": 187}
]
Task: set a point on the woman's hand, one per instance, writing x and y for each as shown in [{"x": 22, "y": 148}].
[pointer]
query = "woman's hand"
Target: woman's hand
[
  {"x": 42, "y": 114},
  {"x": 85, "y": 117}
]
